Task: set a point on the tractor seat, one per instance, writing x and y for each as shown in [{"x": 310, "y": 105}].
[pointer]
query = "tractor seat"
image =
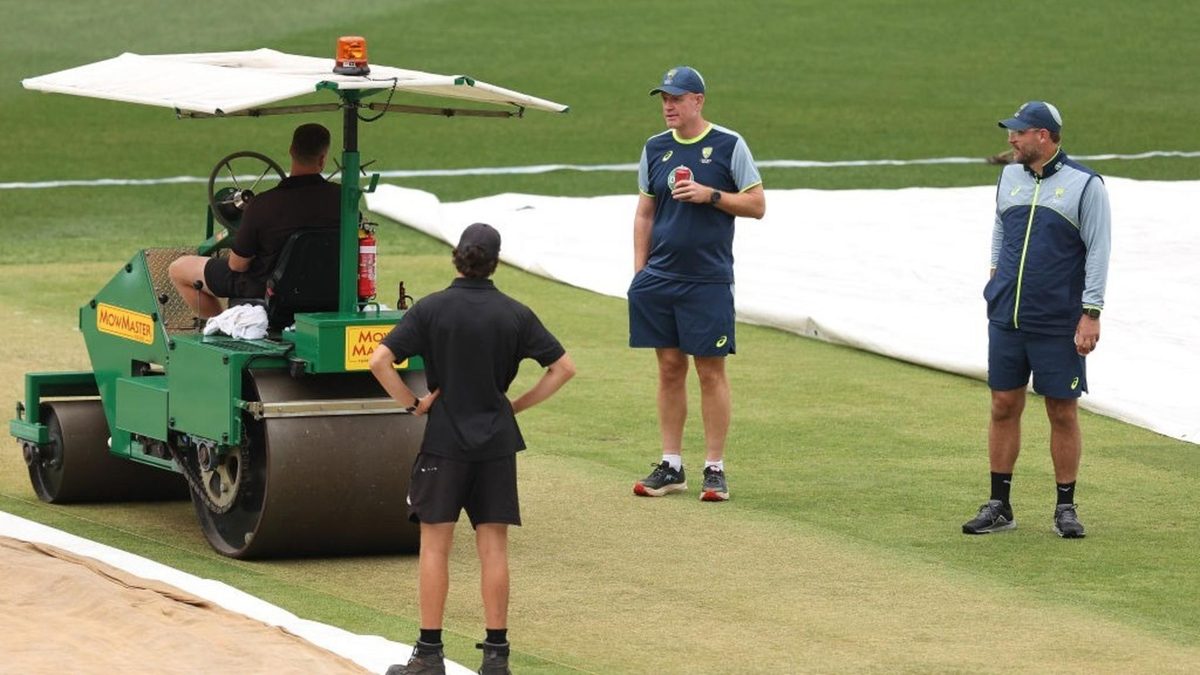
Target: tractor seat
[{"x": 305, "y": 278}]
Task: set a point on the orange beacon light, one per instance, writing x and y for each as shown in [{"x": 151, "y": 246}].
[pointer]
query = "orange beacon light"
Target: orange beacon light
[{"x": 351, "y": 56}]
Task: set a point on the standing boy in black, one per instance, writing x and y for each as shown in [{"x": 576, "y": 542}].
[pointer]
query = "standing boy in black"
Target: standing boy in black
[{"x": 472, "y": 337}]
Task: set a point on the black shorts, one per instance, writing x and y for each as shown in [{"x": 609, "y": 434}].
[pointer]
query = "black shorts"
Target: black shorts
[
  {"x": 441, "y": 487},
  {"x": 225, "y": 283}
]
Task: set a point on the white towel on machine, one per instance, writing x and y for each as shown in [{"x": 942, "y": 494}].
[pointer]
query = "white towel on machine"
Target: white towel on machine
[{"x": 245, "y": 322}]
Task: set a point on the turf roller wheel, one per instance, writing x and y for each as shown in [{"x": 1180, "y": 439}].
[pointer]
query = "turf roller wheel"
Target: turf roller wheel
[
  {"x": 76, "y": 465},
  {"x": 327, "y": 484}
]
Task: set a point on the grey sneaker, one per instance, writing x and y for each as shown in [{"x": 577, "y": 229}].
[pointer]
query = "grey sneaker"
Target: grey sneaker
[
  {"x": 1066, "y": 522},
  {"x": 426, "y": 659},
  {"x": 994, "y": 516},
  {"x": 715, "y": 488},
  {"x": 495, "y": 658},
  {"x": 663, "y": 480}
]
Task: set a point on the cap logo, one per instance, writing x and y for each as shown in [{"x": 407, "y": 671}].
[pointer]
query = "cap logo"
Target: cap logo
[{"x": 680, "y": 80}]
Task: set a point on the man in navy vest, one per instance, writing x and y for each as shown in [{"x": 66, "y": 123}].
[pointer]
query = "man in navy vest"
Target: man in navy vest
[
  {"x": 1050, "y": 247},
  {"x": 693, "y": 178}
]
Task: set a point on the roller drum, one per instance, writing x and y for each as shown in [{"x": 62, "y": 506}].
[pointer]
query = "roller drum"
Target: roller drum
[
  {"x": 76, "y": 465},
  {"x": 331, "y": 484}
]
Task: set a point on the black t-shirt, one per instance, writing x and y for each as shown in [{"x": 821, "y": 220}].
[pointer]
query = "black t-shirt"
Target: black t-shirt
[
  {"x": 298, "y": 202},
  {"x": 473, "y": 338}
]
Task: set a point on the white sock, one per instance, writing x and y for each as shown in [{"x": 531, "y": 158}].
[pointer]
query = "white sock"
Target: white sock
[
  {"x": 674, "y": 461},
  {"x": 719, "y": 465}
]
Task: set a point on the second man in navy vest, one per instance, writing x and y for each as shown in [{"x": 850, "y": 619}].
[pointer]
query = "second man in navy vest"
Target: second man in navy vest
[{"x": 1050, "y": 247}]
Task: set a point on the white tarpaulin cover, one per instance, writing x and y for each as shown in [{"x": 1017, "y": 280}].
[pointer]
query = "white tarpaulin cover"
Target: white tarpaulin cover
[
  {"x": 226, "y": 82},
  {"x": 898, "y": 272}
]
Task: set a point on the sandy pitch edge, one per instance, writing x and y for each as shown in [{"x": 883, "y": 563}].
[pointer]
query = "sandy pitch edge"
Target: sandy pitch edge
[{"x": 372, "y": 652}]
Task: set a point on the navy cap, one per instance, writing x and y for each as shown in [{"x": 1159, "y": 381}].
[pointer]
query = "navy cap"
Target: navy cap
[
  {"x": 483, "y": 236},
  {"x": 680, "y": 80},
  {"x": 1034, "y": 115}
]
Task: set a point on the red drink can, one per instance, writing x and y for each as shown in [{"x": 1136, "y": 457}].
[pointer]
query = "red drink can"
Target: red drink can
[{"x": 682, "y": 173}]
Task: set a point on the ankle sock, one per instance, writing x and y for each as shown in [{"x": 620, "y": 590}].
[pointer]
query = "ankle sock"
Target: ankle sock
[
  {"x": 431, "y": 637},
  {"x": 1001, "y": 485},
  {"x": 674, "y": 461},
  {"x": 497, "y": 636},
  {"x": 1066, "y": 493},
  {"x": 719, "y": 465}
]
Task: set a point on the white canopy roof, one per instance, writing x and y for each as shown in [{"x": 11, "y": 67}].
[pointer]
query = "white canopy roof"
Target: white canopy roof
[{"x": 226, "y": 82}]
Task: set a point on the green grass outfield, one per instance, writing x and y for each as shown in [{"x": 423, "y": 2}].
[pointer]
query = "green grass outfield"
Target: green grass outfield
[{"x": 851, "y": 473}]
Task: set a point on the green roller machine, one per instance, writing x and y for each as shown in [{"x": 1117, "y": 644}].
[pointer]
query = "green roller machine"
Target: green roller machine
[{"x": 286, "y": 445}]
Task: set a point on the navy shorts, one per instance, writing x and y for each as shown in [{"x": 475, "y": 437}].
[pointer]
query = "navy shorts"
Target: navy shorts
[
  {"x": 1058, "y": 370},
  {"x": 225, "y": 283},
  {"x": 697, "y": 318},
  {"x": 441, "y": 487}
]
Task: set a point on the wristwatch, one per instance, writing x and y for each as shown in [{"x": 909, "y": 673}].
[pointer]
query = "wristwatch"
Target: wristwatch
[
  {"x": 716, "y": 197},
  {"x": 1093, "y": 312}
]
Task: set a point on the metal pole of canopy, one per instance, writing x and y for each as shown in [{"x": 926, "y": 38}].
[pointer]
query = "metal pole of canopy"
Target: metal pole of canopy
[{"x": 348, "y": 244}]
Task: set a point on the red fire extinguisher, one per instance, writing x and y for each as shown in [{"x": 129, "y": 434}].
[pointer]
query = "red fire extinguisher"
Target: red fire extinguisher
[{"x": 366, "y": 261}]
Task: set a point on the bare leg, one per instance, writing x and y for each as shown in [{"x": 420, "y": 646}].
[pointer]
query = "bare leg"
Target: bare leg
[
  {"x": 185, "y": 271},
  {"x": 1066, "y": 442},
  {"x": 1004, "y": 431},
  {"x": 434, "y": 572},
  {"x": 672, "y": 398},
  {"x": 716, "y": 405},
  {"x": 491, "y": 540}
]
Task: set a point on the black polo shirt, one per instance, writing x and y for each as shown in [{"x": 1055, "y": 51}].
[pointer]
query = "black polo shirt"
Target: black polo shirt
[
  {"x": 473, "y": 338},
  {"x": 298, "y": 202}
]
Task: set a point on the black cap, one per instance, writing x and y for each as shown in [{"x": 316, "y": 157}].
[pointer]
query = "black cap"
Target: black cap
[{"x": 483, "y": 236}]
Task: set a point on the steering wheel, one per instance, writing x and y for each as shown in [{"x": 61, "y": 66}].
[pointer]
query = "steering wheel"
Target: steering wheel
[{"x": 228, "y": 203}]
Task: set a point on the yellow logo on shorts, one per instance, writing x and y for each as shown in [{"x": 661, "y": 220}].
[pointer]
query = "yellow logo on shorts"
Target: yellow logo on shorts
[
  {"x": 722, "y": 340},
  {"x": 1074, "y": 383}
]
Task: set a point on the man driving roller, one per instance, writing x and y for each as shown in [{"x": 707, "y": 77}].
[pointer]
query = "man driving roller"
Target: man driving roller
[{"x": 302, "y": 200}]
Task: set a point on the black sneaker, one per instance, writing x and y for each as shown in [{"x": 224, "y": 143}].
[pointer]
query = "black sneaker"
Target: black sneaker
[
  {"x": 1066, "y": 522},
  {"x": 715, "y": 488},
  {"x": 495, "y": 659},
  {"x": 994, "y": 516},
  {"x": 426, "y": 659},
  {"x": 663, "y": 480}
]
